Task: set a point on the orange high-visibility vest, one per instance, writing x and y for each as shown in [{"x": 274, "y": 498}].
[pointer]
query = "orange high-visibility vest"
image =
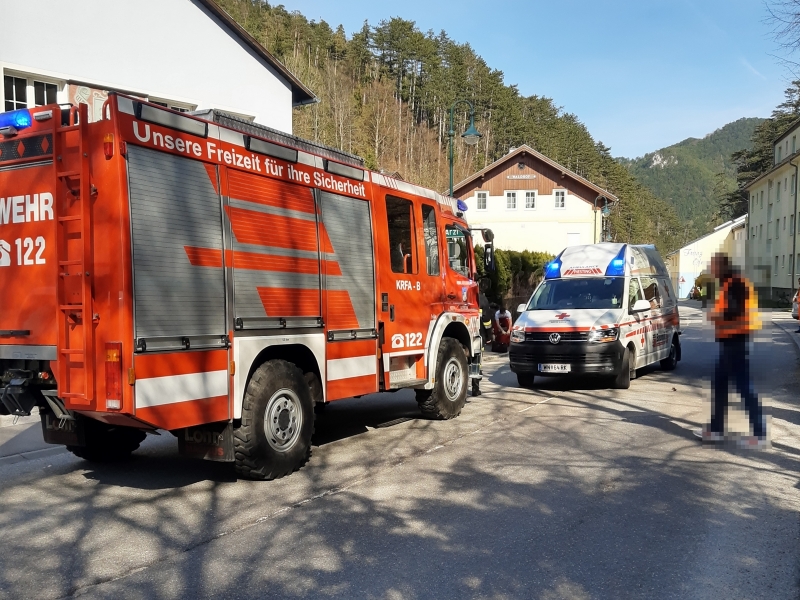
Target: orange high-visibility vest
[{"x": 744, "y": 324}]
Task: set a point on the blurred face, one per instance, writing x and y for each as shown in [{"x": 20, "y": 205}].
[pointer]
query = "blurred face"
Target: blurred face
[{"x": 716, "y": 266}]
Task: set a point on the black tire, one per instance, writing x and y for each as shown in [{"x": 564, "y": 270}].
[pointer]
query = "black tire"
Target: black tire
[
  {"x": 277, "y": 394},
  {"x": 622, "y": 380},
  {"x": 106, "y": 443},
  {"x": 449, "y": 393},
  {"x": 525, "y": 380},
  {"x": 669, "y": 363}
]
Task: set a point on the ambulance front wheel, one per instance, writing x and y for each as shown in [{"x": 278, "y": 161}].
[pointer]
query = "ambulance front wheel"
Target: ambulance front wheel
[
  {"x": 449, "y": 393},
  {"x": 627, "y": 371},
  {"x": 274, "y": 438}
]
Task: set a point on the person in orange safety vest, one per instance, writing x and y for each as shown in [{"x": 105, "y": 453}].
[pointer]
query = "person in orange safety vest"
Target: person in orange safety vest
[{"x": 735, "y": 317}]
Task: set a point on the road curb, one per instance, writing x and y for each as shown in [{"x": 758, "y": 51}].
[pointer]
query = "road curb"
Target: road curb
[{"x": 32, "y": 455}]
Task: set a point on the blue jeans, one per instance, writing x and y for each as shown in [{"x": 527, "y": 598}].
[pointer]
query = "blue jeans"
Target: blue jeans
[{"x": 734, "y": 362}]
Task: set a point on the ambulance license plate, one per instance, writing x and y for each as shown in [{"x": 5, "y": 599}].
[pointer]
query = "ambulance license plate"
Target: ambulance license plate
[{"x": 551, "y": 368}]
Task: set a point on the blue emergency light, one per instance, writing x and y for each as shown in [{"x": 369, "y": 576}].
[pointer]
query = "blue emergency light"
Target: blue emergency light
[
  {"x": 553, "y": 269},
  {"x": 18, "y": 119},
  {"x": 462, "y": 206},
  {"x": 616, "y": 268}
]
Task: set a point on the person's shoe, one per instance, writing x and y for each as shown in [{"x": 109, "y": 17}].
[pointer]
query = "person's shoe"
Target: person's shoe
[
  {"x": 708, "y": 436},
  {"x": 751, "y": 442}
]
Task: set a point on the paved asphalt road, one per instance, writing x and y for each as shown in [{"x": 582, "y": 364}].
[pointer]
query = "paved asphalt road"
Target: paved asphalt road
[{"x": 545, "y": 493}]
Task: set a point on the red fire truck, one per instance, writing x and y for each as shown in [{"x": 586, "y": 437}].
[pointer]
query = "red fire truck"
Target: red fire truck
[{"x": 217, "y": 279}]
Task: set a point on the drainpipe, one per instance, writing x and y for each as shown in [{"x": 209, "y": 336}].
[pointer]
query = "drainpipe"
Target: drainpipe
[{"x": 794, "y": 233}]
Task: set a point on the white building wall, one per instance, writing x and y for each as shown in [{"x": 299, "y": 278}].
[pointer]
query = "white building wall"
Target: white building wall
[
  {"x": 169, "y": 49},
  {"x": 544, "y": 228}
]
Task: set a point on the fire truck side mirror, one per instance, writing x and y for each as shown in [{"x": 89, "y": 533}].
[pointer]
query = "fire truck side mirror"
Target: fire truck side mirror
[
  {"x": 488, "y": 258},
  {"x": 488, "y": 235}
]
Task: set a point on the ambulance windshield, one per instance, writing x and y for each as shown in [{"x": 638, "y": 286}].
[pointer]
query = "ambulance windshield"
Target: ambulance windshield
[{"x": 576, "y": 293}]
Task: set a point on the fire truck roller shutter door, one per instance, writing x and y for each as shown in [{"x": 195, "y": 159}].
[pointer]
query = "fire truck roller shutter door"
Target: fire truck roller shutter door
[
  {"x": 349, "y": 228},
  {"x": 275, "y": 248},
  {"x": 174, "y": 206}
]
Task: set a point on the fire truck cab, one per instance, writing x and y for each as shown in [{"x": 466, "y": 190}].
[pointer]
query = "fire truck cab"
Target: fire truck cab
[{"x": 220, "y": 280}]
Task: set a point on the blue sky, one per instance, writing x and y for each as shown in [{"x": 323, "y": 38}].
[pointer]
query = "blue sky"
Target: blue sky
[{"x": 641, "y": 74}]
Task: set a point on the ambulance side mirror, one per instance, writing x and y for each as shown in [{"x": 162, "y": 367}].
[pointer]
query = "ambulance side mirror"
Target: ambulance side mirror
[
  {"x": 640, "y": 306},
  {"x": 522, "y": 308}
]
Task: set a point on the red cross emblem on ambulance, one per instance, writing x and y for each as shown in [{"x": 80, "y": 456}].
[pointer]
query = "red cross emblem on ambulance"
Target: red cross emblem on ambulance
[{"x": 562, "y": 316}]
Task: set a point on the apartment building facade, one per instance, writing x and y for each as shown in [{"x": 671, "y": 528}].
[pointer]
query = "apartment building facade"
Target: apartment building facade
[{"x": 773, "y": 248}]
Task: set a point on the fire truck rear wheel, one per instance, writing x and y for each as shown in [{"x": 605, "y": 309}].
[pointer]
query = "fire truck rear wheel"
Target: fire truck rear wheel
[
  {"x": 449, "y": 394},
  {"x": 274, "y": 438},
  {"x": 105, "y": 443}
]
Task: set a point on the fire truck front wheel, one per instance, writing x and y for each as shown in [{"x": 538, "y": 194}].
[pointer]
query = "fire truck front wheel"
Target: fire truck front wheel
[
  {"x": 274, "y": 438},
  {"x": 449, "y": 394}
]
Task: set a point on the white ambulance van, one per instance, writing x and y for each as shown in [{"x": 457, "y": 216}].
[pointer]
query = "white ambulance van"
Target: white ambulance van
[{"x": 602, "y": 309}]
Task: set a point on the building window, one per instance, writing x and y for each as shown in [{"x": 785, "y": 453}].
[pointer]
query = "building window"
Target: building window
[
  {"x": 791, "y": 224},
  {"x": 44, "y": 93},
  {"x": 778, "y": 157},
  {"x": 769, "y": 213},
  {"x": 760, "y": 231},
  {"x": 16, "y": 92},
  {"x": 511, "y": 200},
  {"x": 777, "y": 228},
  {"x": 783, "y": 261},
  {"x": 778, "y": 192},
  {"x": 560, "y": 196},
  {"x": 482, "y": 197},
  {"x": 530, "y": 200},
  {"x": 761, "y": 195},
  {"x": 775, "y": 270},
  {"x": 793, "y": 191},
  {"x": 794, "y": 144},
  {"x": 784, "y": 223}
]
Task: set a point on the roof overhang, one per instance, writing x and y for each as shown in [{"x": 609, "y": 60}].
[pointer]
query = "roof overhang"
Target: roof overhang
[
  {"x": 525, "y": 149},
  {"x": 300, "y": 93}
]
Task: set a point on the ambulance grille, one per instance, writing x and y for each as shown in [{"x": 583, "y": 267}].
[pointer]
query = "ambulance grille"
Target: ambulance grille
[{"x": 566, "y": 336}]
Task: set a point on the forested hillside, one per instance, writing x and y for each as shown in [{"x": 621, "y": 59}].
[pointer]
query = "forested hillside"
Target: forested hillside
[
  {"x": 691, "y": 174},
  {"x": 385, "y": 92}
]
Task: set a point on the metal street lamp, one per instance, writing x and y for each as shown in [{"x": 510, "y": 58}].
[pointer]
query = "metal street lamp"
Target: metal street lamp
[{"x": 470, "y": 136}]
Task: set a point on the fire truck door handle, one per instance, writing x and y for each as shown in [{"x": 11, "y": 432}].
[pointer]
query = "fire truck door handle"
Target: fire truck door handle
[
  {"x": 391, "y": 312},
  {"x": 451, "y": 296}
]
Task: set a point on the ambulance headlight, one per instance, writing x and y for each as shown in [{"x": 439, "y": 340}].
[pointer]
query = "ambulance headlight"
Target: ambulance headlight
[
  {"x": 518, "y": 335},
  {"x": 604, "y": 335}
]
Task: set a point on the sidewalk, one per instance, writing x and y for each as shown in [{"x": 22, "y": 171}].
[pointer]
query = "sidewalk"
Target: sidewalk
[{"x": 23, "y": 441}]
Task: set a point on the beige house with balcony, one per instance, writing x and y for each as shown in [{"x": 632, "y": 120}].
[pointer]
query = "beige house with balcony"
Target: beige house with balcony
[{"x": 772, "y": 248}]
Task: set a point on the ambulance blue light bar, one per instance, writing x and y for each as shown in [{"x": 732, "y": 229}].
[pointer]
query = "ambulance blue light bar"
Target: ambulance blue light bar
[
  {"x": 553, "y": 269},
  {"x": 18, "y": 119},
  {"x": 616, "y": 268}
]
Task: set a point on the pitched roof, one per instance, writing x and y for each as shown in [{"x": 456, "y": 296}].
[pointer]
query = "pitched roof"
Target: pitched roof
[
  {"x": 527, "y": 149},
  {"x": 300, "y": 93}
]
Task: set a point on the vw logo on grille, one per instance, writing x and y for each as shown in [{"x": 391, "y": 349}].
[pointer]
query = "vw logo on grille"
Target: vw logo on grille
[{"x": 555, "y": 338}]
